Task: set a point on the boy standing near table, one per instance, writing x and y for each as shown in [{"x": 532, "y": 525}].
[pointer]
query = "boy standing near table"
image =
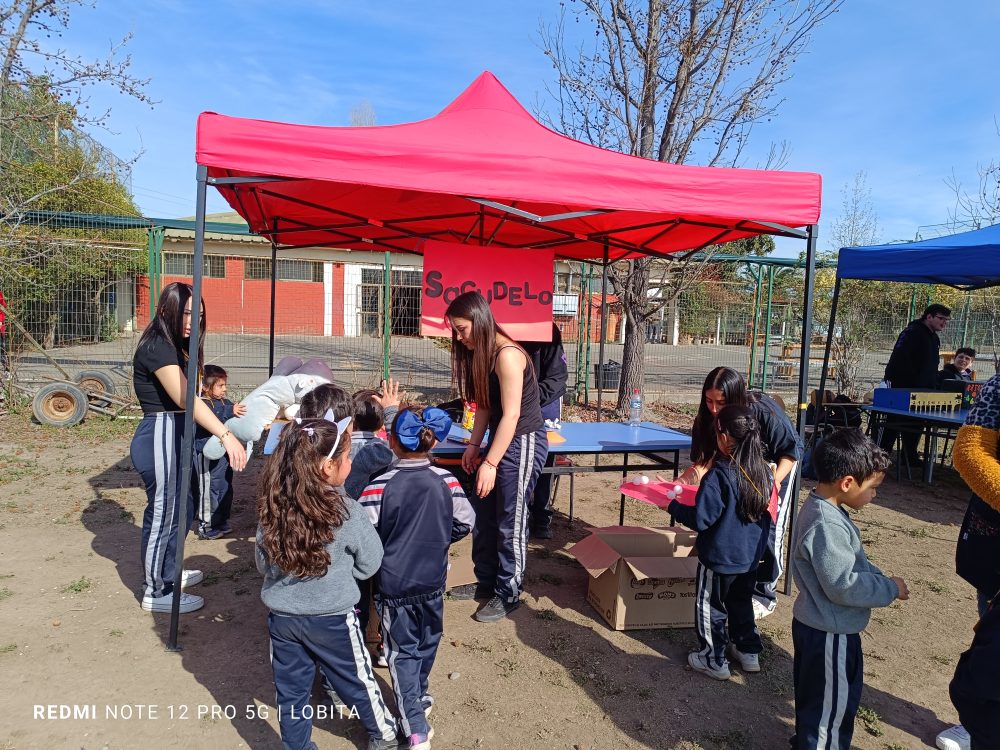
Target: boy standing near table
[{"x": 838, "y": 586}]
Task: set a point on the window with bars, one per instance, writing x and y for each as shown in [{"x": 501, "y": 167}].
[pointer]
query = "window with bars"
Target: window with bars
[
  {"x": 180, "y": 264},
  {"x": 287, "y": 270}
]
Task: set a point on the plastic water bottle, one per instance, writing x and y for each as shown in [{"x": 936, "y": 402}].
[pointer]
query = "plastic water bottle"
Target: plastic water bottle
[{"x": 635, "y": 409}]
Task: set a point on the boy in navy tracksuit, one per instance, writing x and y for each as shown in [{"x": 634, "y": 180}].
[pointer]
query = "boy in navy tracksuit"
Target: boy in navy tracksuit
[
  {"x": 371, "y": 456},
  {"x": 975, "y": 690},
  {"x": 213, "y": 480},
  {"x": 838, "y": 587},
  {"x": 418, "y": 510}
]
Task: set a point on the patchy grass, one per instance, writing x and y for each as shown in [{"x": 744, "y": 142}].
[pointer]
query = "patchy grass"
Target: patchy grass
[
  {"x": 918, "y": 533},
  {"x": 871, "y": 720},
  {"x": 734, "y": 739},
  {"x": 8, "y": 648},
  {"x": 13, "y": 468},
  {"x": 116, "y": 633},
  {"x": 5, "y": 593},
  {"x": 78, "y": 586}
]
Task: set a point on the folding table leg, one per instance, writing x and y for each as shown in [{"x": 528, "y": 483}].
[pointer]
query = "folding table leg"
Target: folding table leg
[{"x": 621, "y": 512}]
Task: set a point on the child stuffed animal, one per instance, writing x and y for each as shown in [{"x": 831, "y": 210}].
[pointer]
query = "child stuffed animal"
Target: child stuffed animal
[{"x": 279, "y": 395}]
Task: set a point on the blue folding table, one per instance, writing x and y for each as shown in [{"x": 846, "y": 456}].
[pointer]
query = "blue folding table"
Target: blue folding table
[
  {"x": 928, "y": 420},
  {"x": 660, "y": 447}
]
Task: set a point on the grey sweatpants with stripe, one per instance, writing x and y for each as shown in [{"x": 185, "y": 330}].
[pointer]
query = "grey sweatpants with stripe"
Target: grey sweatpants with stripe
[
  {"x": 155, "y": 453},
  {"x": 500, "y": 535}
]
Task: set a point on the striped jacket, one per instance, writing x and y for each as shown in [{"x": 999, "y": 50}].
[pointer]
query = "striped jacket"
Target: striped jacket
[{"x": 418, "y": 510}]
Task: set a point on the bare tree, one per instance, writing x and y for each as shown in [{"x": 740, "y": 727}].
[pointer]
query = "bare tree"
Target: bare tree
[
  {"x": 980, "y": 208},
  {"x": 363, "y": 114},
  {"x": 676, "y": 81}
]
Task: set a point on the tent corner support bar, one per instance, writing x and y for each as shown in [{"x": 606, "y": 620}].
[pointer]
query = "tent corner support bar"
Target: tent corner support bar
[
  {"x": 604, "y": 331},
  {"x": 187, "y": 443}
]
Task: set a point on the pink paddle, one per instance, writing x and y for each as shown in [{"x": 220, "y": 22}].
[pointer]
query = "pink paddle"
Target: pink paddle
[{"x": 655, "y": 493}]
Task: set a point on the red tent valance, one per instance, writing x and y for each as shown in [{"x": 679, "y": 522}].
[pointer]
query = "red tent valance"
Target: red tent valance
[{"x": 484, "y": 168}]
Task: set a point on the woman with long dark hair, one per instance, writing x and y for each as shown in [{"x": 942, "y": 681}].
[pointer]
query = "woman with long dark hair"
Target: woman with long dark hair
[
  {"x": 725, "y": 387},
  {"x": 161, "y": 387},
  {"x": 493, "y": 370}
]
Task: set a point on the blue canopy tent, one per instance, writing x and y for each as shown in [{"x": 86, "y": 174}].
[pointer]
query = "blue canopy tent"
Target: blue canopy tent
[{"x": 968, "y": 260}]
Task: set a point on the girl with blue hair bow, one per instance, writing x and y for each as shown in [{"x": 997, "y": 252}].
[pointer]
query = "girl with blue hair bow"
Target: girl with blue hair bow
[{"x": 419, "y": 510}]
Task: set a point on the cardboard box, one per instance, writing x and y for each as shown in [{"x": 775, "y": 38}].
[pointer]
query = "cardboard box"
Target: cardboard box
[{"x": 639, "y": 577}]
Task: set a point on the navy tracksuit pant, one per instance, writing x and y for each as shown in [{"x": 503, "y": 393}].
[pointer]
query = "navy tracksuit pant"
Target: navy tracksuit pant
[
  {"x": 337, "y": 644},
  {"x": 214, "y": 483},
  {"x": 541, "y": 506},
  {"x": 500, "y": 536},
  {"x": 411, "y": 630},
  {"x": 770, "y": 570},
  {"x": 723, "y": 614},
  {"x": 155, "y": 454},
  {"x": 828, "y": 669}
]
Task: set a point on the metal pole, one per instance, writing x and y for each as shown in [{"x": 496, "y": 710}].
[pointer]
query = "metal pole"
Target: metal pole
[
  {"x": 756, "y": 317},
  {"x": 386, "y": 313},
  {"x": 913, "y": 302},
  {"x": 820, "y": 412},
  {"x": 274, "y": 295},
  {"x": 800, "y": 416},
  {"x": 965, "y": 317},
  {"x": 590, "y": 307},
  {"x": 187, "y": 443},
  {"x": 604, "y": 331},
  {"x": 151, "y": 274},
  {"x": 767, "y": 328},
  {"x": 577, "y": 392}
]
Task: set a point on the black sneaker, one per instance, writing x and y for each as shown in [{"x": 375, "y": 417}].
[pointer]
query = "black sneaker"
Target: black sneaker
[
  {"x": 542, "y": 532},
  {"x": 470, "y": 591},
  {"x": 496, "y": 609},
  {"x": 377, "y": 743}
]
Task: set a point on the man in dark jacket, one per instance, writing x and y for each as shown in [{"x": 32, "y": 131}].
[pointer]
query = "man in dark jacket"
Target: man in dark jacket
[
  {"x": 549, "y": 361},
  {"x": 914, "y": 364}
]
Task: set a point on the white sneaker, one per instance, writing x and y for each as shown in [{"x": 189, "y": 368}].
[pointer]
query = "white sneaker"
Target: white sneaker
[
  {"x": 761, "y": 610},
  {"x": 699, "y": 663},
  {"x": 189, "y": 603},
  {"x": 191, "y": 578},
  {"x": 747, "y": 662},
  {"x": 428, "y": 704},
  {"x": 954, "y": 738}
]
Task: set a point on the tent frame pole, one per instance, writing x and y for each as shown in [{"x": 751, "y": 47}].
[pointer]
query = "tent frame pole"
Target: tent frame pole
[
  {"x": 767, "y": 328},
  {"x": 187, "y": 442},
  {"x": 800, "y": 416},
  {"x": 604, "y": 331},
  {"x": 274, "y": 290},
  {"x": 820, "y": 412}
]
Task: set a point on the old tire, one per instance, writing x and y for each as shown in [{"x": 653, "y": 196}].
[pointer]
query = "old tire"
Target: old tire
[
  {"x": 94, "y": 383},
  {"x": 59, "y": 405}
]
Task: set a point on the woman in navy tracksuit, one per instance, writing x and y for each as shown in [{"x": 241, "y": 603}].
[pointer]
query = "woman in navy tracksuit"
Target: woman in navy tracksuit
[
  {"x": 782, "y": 447},
  {"x": 160, "y": 387},
  {"x": 495, "y": 372},
  {"x": 732, "y": 515},
  {"x": 419, "y": 510}
]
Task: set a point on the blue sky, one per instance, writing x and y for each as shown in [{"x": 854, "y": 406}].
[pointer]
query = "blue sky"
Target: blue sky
[{"x": 904, "y": 90}]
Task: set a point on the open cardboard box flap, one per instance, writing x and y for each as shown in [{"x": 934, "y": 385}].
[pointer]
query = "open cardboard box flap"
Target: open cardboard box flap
[
  {"x": 662, "y": 567},
  {"x": 595, "y": 555},
  {"x": 650, "y": 553}
]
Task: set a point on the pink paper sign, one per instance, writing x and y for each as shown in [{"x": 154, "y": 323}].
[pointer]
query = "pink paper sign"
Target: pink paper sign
[{"x": 516, "y": 283}]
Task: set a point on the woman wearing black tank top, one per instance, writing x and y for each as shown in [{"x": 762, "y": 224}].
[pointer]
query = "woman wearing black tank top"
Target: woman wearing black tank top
[{"x": 495, "y": 372}]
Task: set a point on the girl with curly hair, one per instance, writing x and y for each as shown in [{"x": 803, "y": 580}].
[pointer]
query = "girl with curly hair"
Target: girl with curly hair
[{"x": 313, "y": 545}]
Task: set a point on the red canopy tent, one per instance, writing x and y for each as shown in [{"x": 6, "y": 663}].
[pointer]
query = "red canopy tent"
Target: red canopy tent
[
  {"x": 482, "y": 171},
  {"x": 484, "y": 168}
]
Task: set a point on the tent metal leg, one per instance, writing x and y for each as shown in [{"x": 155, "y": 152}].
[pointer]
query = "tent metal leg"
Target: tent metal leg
[
  {"x": 604, "y": 331},
  {"x": 274, "y": 289}
]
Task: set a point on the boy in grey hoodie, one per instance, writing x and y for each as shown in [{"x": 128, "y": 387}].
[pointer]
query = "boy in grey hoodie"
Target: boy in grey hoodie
[{"x": 838, "y": 586}]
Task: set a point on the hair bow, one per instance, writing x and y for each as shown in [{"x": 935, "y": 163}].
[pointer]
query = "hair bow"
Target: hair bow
[
  {"x": 409, "y": 425},
  {"x": 341, "y": 426}
]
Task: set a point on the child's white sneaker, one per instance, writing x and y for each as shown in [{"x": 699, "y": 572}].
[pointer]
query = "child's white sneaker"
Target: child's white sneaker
[
  {"x": 954, "y": 738},
  {"x": 189, "y": 603},
  {"x": 699, "y": 663},
  {"x": 747, "y": 662}
]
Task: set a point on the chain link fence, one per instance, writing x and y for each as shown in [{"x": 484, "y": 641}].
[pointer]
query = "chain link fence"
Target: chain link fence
[{"x": 78, "y": 294}]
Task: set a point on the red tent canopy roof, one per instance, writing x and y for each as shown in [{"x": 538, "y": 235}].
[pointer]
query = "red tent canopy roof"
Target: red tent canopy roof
[{"x": 391, "y": 186}]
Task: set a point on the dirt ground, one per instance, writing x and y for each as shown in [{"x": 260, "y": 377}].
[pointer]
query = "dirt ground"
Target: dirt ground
[{"x": 552, "y": 676}]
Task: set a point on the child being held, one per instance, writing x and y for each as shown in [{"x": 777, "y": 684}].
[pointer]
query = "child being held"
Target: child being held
[
  {"x": 732, "y": 515},
  {"x": 313, "y": 545},
  {"x": 371, "y": 456},
  {"x": 214, "y": 478},
  {"x": 418, "y": 510},
  {"x": 838, "y": 587}
]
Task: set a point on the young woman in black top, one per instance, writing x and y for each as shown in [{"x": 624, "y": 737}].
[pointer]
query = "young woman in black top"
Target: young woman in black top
[
  {"x": 724, "y": 387},
  {"x": 161, "y": 386},
  {"x": 492, "y": 370}
]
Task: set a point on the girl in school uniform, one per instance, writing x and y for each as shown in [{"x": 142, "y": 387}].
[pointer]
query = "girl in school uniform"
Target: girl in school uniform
[
  {"x": 782, "y": 447},
  {"x": 313, "y": 546},
  {"x": 495, "y": 372},
  {"x": 160, "y": 386},
  {"x": 732, "y": 515}
]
